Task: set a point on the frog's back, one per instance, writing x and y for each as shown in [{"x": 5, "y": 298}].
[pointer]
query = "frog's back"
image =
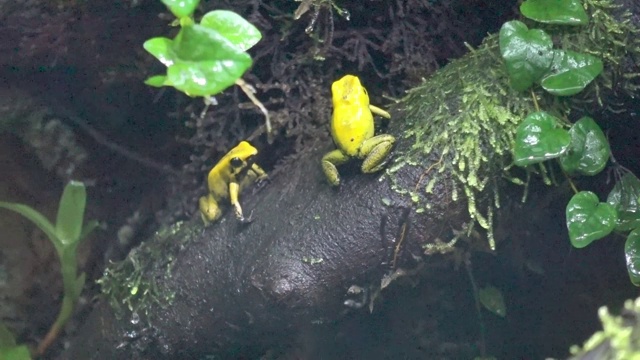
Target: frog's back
[
  {"x": 350, "y": 127},
  {"x": 352, "y": 121}
]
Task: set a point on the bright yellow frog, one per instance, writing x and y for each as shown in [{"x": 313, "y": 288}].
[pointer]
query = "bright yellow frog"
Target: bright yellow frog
[
  {"x": 235, "y": 171},
  {"x": 352, "y": 129}
]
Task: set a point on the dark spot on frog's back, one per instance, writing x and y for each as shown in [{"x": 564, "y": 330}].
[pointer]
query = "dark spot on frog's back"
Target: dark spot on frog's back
[{"x": 351, "y": 139}]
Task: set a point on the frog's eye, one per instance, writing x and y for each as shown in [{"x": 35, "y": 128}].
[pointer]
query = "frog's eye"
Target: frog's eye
[
  {"x": 236, "y": 162},
  {"x": 365, "y": 91}
]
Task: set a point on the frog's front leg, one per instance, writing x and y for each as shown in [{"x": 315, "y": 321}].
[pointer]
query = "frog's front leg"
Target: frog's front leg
[
  {"x": 261, "y": 175},
  {"x": 329, "y": 162},
  {"x": 378, "y": 111},
  {"x": 234, "y": 190},
  {"x": 209, "y": 209},
  {"x": 375, "y": 152}
]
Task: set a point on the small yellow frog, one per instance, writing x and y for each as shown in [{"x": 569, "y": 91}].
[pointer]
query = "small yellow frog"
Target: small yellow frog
[
  {"x": 235, "y": 171},
  {"x": 352, "y": 129}
]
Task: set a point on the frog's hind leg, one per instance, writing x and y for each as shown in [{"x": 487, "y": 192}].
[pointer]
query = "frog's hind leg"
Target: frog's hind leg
[
  {"x": 329, "y": 162},
  {"x": 209, "y": 209},
  {"x": 375, "y": 152}
]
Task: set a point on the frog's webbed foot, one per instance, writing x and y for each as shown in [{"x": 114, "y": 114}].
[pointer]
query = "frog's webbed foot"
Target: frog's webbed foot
[
  {"x": 245, "y": 220},
  {"x": 261, "y": 182},
  {"x": 329, "y": 163},
  {"x": 376, "y": 152}
]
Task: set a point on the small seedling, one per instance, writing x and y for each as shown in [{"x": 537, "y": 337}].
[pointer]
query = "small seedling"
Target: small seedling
[{"x": 65, "y": 235}]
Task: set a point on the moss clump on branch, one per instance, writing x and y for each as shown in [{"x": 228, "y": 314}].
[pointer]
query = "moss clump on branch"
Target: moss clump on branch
[
  {"x": 132, "y": 283},
  {"x": 462, "y": 121},
  {"x": 467, "y": 115}
]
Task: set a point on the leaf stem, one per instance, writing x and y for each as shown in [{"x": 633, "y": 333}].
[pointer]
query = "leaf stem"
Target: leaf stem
[
  {"x": 535, "y": 101},
  {"x": 250, "y": 91}
]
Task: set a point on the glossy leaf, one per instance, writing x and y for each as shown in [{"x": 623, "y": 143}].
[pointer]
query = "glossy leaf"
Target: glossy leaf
[
  {"x": 539, "y": 138},
  {"x": 527, "y": 53},
  {"x": 71, "y": 212},
  {"x": 199, "y": 43},
  {"x": 589, "y": 150},
  {"x": 561, "y": 12},
  {"x": 200, "y": 61},
  {"x": 624, "y": 197},
  {"x": 161, "y": 49},
  {"x": 181, "y": 8},
  {"x": 571, "y": 72},
  {"x": 588, "y": 219},
  {"x": 232, "y": 26},
  {"x": 491, "y": 298},
  {"x": 206, "y": 77},
  {"x": 632, "y": 255}
]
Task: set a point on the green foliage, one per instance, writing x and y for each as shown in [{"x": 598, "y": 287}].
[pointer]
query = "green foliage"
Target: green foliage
[
  {"x": 589, "y": 150},
  {"x": 9, "y": 350},
  {"x": 465, "y": 118},
  {"x": 527, "y": 53},
  {"x": 632, "y": 255},
  {"x": 18, "y": 352},
  {"x": 624, "y": 197},
  {"x": 588, "y": 219},
  {"x": 560, "y": 12},
  {"x": 65, "y": 236},
  {"x": 491, "y": 298},
  {"x": 571, "y": 72},
  {"x": 181, "y": 8},
  {"x": 583, "y": 150},
  {"x": 530, "y": 58},
  {"x": 538, "y": 138},
  {"x": 206, "y": 58},
  {"x": 619, "y": 338},
  {"x": 233, "y": 27}
]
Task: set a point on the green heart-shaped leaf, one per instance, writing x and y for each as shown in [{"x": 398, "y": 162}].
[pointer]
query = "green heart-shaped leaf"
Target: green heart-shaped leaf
[
  {"x": 624, "y": 197},
  {"x": 564, "y": 12},
  {"x": 589, "y": 150},
  {"x": 232, "y": 26},
  {"x": 206, "y": 77},
  {"x": 199, "y": 43},
  {"x": 200, "y": 61},
  {"x": 571, "y": 72},
  {"x": 632, "y": 255},
  {"x": 588, "y": 219},
  {"x": 539, "y": 138},
  {"x": 160, "y": 48},
  {"x": 527, "y": 53},
  {"x": 181, "y": 8}
]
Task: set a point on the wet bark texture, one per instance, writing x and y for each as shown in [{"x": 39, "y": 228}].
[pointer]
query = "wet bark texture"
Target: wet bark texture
[{"x": 245, "y": 288}]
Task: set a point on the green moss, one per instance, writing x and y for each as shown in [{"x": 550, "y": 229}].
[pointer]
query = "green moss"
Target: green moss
[
  {"x": 467, "y": 115},
  {"x": 619, "y": 337},
  {"x": 462, "y": 121},
  {"x": 134, "y": 283}
]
